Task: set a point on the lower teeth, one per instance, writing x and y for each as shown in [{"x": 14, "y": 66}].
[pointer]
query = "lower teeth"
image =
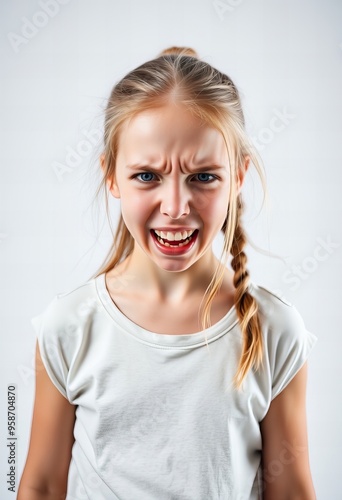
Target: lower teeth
[{"x": 166, "y": 244}]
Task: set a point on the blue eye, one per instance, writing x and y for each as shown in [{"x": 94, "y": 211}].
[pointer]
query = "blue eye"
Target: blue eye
[
  {"x": 203, "y": 177},
  {"x": 145, "y": 177}
]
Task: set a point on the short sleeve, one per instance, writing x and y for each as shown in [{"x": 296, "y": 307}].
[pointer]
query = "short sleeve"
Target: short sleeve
[
  {"x": 51, "y": 347},
  {"x": 290, "y": 349}
]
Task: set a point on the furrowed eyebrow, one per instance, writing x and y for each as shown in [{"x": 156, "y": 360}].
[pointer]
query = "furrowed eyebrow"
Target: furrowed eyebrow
[
  {"x": 136, "y": 166},
  {"x": 207, "y": 168}
]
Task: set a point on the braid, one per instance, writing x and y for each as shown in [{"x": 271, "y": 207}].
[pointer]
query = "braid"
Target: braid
[{"x": 245, "y": 304}]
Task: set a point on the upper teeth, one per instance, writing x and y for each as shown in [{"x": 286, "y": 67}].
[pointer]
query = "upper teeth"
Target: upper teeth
[{"x": 174, "y": 236}]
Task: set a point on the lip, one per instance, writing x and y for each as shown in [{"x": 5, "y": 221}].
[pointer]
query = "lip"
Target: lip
[{"x": 174, "y": 250}]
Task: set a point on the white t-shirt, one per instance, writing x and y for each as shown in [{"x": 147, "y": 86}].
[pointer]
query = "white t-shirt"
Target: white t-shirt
[{"x": 157, "y": 417}]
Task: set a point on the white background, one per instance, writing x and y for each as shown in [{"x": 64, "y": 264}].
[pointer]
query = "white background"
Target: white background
[{"x": 58, "y": 69}]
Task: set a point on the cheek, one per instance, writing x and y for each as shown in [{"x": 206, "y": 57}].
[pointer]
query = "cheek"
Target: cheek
[
  {"x": 213, "y": 206},
  {"x": 135, "y": 209}
]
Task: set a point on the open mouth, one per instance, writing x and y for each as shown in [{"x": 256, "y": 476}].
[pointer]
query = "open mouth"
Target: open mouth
[
  {"x": 174, "y": 243},
  {"x": 175, "y": 240}
]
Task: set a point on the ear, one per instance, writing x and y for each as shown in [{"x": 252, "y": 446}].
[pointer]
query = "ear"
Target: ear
[
  {"x": 111, "y": 183},
  {"x": 242, "y": 172}
]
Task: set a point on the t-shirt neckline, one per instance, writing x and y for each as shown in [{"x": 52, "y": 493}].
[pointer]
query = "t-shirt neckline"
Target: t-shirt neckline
[{"x": 223, "y": 326}]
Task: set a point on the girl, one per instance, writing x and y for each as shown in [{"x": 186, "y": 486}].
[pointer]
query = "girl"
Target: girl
[{"x": 169, "y": 375}]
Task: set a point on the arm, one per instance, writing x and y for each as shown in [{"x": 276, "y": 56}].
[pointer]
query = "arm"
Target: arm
[
  {"x": 45, "y": 473},
  {"x": 285, "y": 458}
]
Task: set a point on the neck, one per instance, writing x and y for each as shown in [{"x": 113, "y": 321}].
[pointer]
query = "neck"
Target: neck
[{"x": 168, "y": 286}]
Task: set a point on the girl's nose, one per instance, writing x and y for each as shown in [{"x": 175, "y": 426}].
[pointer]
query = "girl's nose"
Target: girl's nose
[{"x": 175, "y": 201}]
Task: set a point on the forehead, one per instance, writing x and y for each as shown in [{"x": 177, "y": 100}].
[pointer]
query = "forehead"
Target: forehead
[{"x": 170, "y": 130}]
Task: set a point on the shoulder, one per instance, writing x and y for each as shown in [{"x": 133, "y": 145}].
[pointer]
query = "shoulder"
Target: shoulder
[
  {"x": 68, "y": 307},
  {"x": 59, "y": 330},
  {"x": 287, "y": 342},
  {"x": 276, "y": 311}
]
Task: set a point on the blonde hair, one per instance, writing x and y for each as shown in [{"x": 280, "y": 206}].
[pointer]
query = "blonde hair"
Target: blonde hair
[{"x": 177, "y": 73}]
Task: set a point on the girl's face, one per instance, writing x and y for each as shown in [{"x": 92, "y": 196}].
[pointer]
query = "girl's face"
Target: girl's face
[{"x": 172, "y": 176}]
